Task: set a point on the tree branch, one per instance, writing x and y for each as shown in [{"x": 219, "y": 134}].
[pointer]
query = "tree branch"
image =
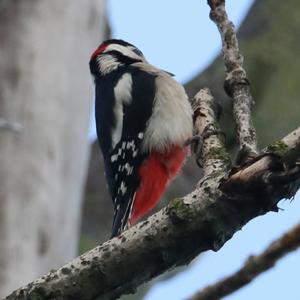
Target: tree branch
[
  {"x": 205, "y": 125},
  {"x": 254, "y": 266},
  {"x": 236, "y": 83},
  {"x": 205, "y": 219}
]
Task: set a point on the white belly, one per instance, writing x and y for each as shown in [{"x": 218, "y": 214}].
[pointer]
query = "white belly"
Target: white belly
[{"x": 171, "y": 121}]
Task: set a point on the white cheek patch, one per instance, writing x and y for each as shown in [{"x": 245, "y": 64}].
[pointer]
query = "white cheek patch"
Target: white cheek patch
[
  {"x": 122, "y": 93},
  {"x": 107, "y": 63}
]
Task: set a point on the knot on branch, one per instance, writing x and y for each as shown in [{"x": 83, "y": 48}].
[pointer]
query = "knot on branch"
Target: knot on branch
[
  {"x": 245, "y": 156},
  {"x": 215, "y": 3},
  {"x": 179, "y": 211},
  {"x": 235, "y": 79}
]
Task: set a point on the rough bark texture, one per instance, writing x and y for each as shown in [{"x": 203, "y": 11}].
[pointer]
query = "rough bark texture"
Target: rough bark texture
[
  {"x": 45, "y": 101},
  {"x": 205, "y": 219},
  {"x": 236, "y": 81}
]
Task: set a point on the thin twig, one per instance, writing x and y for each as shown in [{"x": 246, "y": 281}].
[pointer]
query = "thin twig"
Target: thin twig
[
  {"x": 236, "y": 82},
  {"x": 254, "y": 266}
]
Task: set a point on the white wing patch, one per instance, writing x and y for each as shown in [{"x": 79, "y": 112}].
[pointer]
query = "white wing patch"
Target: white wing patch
[
  {"x": 123, "y": 89},
  {"x": 122, "y": 93}
]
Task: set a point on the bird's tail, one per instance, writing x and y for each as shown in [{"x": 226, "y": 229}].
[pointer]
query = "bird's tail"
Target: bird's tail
[{"x": 122, "y": 214}]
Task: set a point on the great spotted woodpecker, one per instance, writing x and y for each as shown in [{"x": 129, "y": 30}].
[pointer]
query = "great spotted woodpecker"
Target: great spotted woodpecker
[{"x": 143, "y": 119}]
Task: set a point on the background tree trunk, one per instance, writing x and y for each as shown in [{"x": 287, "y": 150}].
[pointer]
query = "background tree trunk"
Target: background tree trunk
[{"x": 45, "y": 102}]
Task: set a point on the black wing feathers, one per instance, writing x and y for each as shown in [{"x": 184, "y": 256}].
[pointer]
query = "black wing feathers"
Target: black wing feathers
[
  {"x": 105, "y": 121},
  {"x": 122, "y": 162}
]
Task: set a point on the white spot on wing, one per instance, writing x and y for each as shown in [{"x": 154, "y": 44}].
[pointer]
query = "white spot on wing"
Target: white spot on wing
[
  {"x": 123, "y": 188},
  {"x": 128, "y": 168},
  {"x": 131, "y": 145},
  {"x": 114, "y": 158}
]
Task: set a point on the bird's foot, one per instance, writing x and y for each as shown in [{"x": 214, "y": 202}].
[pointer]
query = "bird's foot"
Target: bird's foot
[{"x": 197, "y": 142}]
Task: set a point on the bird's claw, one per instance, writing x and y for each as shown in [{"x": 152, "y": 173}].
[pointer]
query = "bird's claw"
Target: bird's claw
[{"x": 197, "y": 142}]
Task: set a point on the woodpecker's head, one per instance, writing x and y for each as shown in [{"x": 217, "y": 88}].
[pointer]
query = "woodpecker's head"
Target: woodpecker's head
[{"x": 113, "y": 54}]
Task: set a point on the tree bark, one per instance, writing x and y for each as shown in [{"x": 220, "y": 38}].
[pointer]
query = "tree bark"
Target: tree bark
[{"x": 45, "y": 103}]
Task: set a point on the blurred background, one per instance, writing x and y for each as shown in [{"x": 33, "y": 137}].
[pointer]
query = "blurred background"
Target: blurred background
[{"x": 53, "y": 199}]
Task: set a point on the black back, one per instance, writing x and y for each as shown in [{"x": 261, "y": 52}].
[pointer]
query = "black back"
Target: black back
[{"x": 123, "y": 161}]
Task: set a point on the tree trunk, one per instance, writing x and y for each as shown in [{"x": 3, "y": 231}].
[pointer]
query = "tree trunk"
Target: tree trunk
[{"x": 45, "y": 102}]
